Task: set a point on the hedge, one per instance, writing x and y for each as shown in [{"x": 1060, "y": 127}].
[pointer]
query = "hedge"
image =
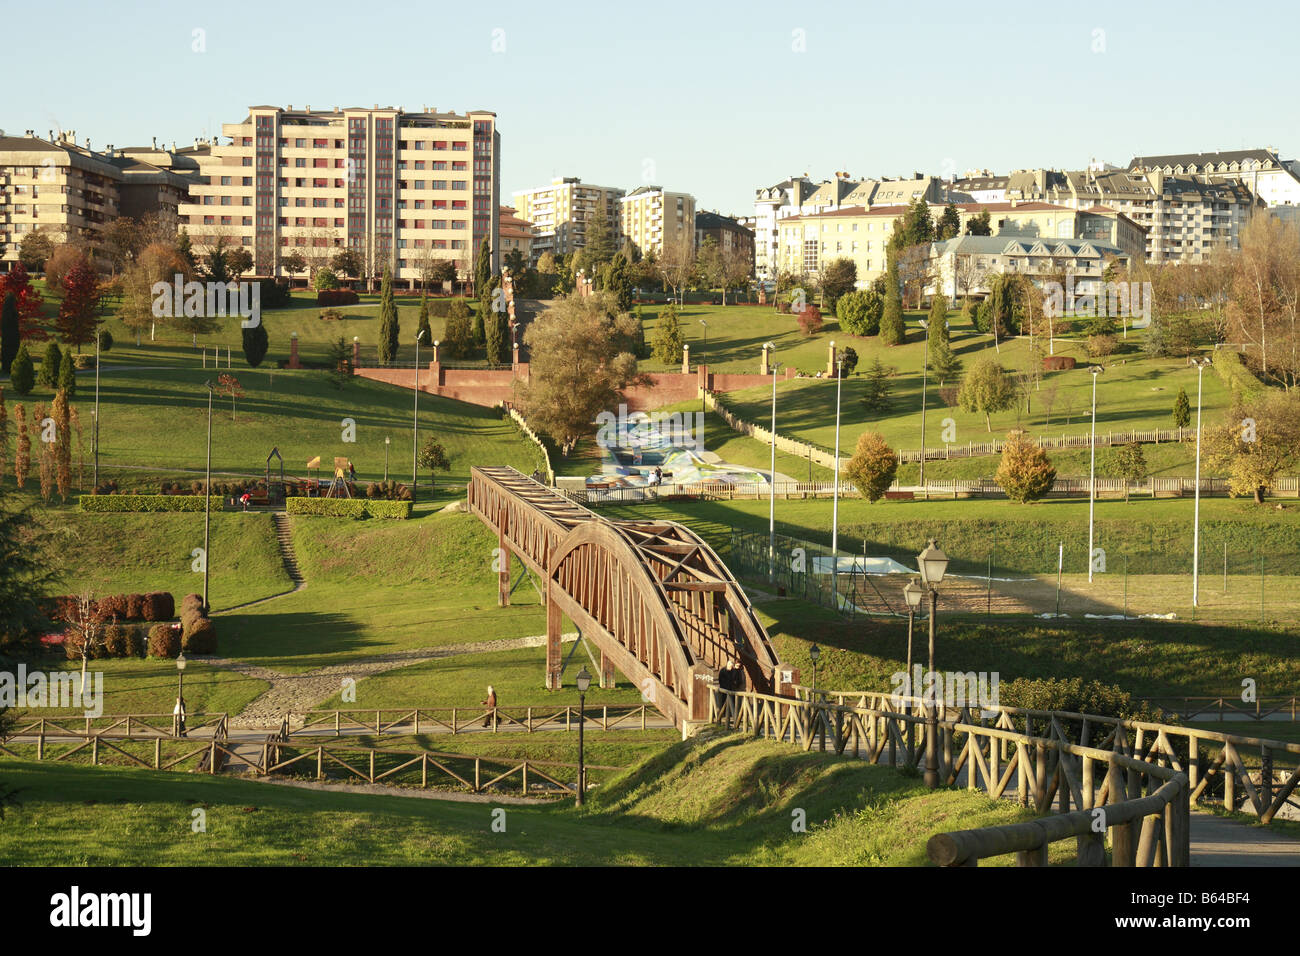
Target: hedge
[
  {"x": 348, "y": 507},
  {"x": 117, "y": 504},
  {"x": 115, "y": 640},
  {"x": 164, "y": 641},
  {"x": 1235, "y": 375},
  {"x": 337, "y": 297},
  {"x": 112, "y": 608}
]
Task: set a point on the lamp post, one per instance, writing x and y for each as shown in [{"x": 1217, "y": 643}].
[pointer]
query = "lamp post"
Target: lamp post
[
  {"x": 835, "y": 499},
  {"x": 388, "y": 440},
  {"x": 1092, "y": 467},
  {"x": 912, "y": 594},
  {"x": 179, "y": 711},
  {"x": 1196, "y": 509},
  {"x": 704, "y": 358},
  {"x": 584, "y": 681},
  {"x": 95, "y": 434},
  {"x": 925, "y": 379},
  {"x": 814, "y": 654},
  {"x": 415, "y": 424},
  {"x": 207, "y": 500},
  {"x": 771, "y": 479},
  {"x": 932, "y": 564}
]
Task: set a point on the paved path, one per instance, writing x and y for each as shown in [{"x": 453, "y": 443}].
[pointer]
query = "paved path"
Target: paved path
[{"x": 1222, "y": 841}]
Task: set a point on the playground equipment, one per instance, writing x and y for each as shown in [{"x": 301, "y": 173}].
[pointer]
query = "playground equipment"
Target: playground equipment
[
  {"x": 275, "y": 490},
  {"x": 339, "y": 485}
]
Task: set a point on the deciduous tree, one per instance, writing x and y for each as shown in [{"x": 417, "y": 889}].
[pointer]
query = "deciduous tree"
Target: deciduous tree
[
  {"x": 986, "y": 390},
  {"x": 873, "y": 467},
  {"x": 1026, "y": 473}
]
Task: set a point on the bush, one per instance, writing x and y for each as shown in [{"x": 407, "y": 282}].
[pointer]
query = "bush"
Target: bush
[
  {"x": 115, "y": 641},
  {"x": 810, "y": 320},
  {"x": 348, "y": 508},
  {"x": 1056, "y": 363},
  {"x": 22, "y": 373},
  {"x": 275, "y": 295},
  {"x": 164, "y": 641},
  {"x": 1099, "y": 346},
  {"x": 859, "y": 312},
  {"x": 104, "y": 503},
  {"x": 135, "y": 608},
  {"x": 330, "y": 297},
  {"x": 105, "y": 342},
  {"x": 1076, "y": 696},
  {"x": 199, "y": 636},
  {"x": 191, "y": 605},
  {"x": 1234, "y": 374},
  {"x": 1026, "y": 473},
  {"x": 84, "y": 361},
  {"x": 111, "y": 607},
  {"x": 331, "y": 315},
  {"x": 159, "y": 606},
  {"x": 388, "y": 491}
]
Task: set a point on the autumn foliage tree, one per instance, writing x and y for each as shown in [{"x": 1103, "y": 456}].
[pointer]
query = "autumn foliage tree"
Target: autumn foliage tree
[
  {"x": 30, "y": 304},
  {"x": 23, "y": 454},
  {"x": 1026, "y": 473},
  {"x": 1258, "y": 440},
  {"x": 78, "y": 312},
  {"x": 873, "y": 467}
]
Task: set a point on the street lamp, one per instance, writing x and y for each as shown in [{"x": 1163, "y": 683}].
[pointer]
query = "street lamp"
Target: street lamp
[
  {"x": 207, "y": 499},
  {"x": 835, "y": 499},
  {"x": 771, "y": 478},
  {"x": 178, "y": 712},
  {"x": 415, "y": 431},
  {"x": 1092, "y": 466},
  {"x": 912, "y": 594},
  {"x": 388, "y": 440},
  {"x": 95, "y": 435},
  {"x": 814, "y": 654},
  {"x": 1196, "y": 511},
  {"x": 925, "y": 379},
  {"x": 584, "y": 681},
  {"x": 932, "y": 564},
  {"x": 704, "y": 357}
]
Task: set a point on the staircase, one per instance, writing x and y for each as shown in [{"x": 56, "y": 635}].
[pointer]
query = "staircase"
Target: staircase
[{"x": 284, "y": 536}]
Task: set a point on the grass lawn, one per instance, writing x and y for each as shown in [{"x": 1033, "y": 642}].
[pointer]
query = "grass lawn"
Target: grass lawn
[
  {"x": 711, "y": 801},
  {"x": 134, "y": 686}
]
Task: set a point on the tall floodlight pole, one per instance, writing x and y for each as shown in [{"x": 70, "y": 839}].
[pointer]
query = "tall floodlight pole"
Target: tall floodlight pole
[
  {"x": 207, "y": 501},
  {"x": 771, "y": 479},
  {"x": 925, "y": 376},
  {"x": 95, "y": 436},
  {"x": 835, "y": 499},
  {"x": 415, "y": 424},
  {"x": 1196, "y": 510},
  {"x": 1092, "y": 467}
]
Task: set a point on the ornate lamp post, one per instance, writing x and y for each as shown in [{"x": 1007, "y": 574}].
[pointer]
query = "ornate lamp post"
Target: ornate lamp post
[
  {"x": 1092, "y": 466},
  {"x": 1196, "y": 510},
  {"x": 912, "y": 594},
  {"x": 179, "y": 711},
  {"x": 584, "y": 681},
  {"x": 932, "y": 564}
]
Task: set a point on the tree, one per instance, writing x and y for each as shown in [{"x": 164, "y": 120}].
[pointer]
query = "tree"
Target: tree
[
  {"x": 546, "y": 263},
  {"x": 875, "y": 397},
  {"x": 809, "y": 319},
  {"x": 577, "y": 370},
  {"x": 348, "y": 262},
  {"x": 293, "y": 263},
  {"x": 1182, "y": 412},
  {"x": 389, "y": 329},
  {"x": 838, "y": 277},
  {"x": 1026, "y": 473},
  {"x": 62, "y": 442},
  {"x": 873, "y": 466},
  {"x": 433, "y": 458},
  {"x": 483, "y": 267},
  {"x": 49, "y": 374},
  {"x": 859, "y": 312},
  {"x": 67, "y": 382},
  {"x": 458, "y": 335},
  {"x": 229, "y": 385},
  {"x": 980, "y": 225},
  {"x": 736, "y": 270},
  {"x": 78, "y": 312},
  {"x": 892, "y": 330},
  {"x": 849, "y": 360},
  {"x": 949, "y": 226},
  {"x": 61, "y": 262},
  {"x": 1131, "y": 464},
  {"x": 156, "y": 262},
  {"x": 944, "y": 363},
  {"x": 598, "y": 244},
  {"x": 256, "y": 343},
  {"x": 4, "y": 436},
  {"x": 338, "y": 358},
  {"x": 9, "y": 332},
  {"x": 677, "y": 263},
  {"x": 22, "y": 374},
  {"x": 496, "y": 328},
  {"x": 324, "y": 280},
  {"x": 27, "y": 571},
  {"x": 216, "y": 264},
  {"x": 618, "y": 283},
  {"x": 31, "y": 309},
  {"x": 23, "y": 454},
  {"x": 1258, "y": 440},
  {"x": 667, "y": 341},
  {"x": 423, "y": 332},
  {"x": 986, "y": 389},
  {"x": 917, "y": 225},
  {"x": 239, "y": 261},
  {"x": 185, "y": 249},
  {"x": 34, "y": 249}
]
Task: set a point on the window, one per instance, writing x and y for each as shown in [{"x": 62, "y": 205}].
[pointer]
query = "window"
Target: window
[
  {"x": 298, "y": 143},
  {"x": 300, "y": 163},
  {"x": 226, "y": 181}
]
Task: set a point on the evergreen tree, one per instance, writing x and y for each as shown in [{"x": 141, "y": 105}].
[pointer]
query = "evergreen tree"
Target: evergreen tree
[
  {"x": 918, "y": 226},
  {"x": 892, "y": 330},
  {"x": 944, "y": 363},
  {"x": 23, "y": 454},
  {"x": 186, "y": 250},
  {"x": 875, "y": 397},
  {"x": 22, "y": 374},
  {"x": 668, "y": 341},
  {"x": 980, "y": 225},
  {"x": 4, "y": 435},
  {"x": 389, "y": 330},
  {"x": 49, "y": 373},
  {"x": 483, "y": 267},
  {"x": 599, "y": 244},
  {"x": 424, "y": 320},
  {"x": 10, "y": 334},
  {"x": 859, "y": 312},
  {"x": 496, "y": 322},
  {"x": 1026, "y": 473},
  {"x": 618, "y": 283},
  {"x": 67, "y": 382},
  {"x": 62, "y": 449},
  {"x": 458, "y": 337},
  {"x": 256, "y": 343},
  {"x": 1182, "y": 410},
  {"x": 949, "y": 226}
]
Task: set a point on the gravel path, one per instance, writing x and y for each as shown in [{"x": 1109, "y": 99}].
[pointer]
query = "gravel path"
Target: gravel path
[{"x": 296, "y": 693}]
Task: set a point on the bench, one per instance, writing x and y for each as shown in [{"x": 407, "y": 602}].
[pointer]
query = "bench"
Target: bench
[{"x": 899, "y": 495}]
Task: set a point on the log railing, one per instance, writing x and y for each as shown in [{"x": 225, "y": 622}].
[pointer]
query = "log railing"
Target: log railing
[
  {"x": 124, "y": 725},
  {"x": 529, "y": 719}
]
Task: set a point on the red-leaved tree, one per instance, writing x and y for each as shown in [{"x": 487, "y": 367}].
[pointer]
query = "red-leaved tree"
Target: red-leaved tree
[
  {"x": 30, "y": 304},
  {"x": 78, "y": 313}
]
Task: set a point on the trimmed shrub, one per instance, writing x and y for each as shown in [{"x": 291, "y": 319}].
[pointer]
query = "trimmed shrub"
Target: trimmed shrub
[
  {"x": 111, "y": 608},
  {"x": 347, "y": 508},
  {"x": 1056, "y": 363},
  {"x": 159, "y": 606},
  {"x": 137, "y": 639},
  {"x": 115, "y": 638},
  {"x": 199, "y": 636},
  {"x": 164, "y": 641},
  {"x": 135, "y": 608},
  {"x": 275, "y": 295},
  {"x": 331, "y": 297},
  {"x": 191, "y": 605},
  {"x": 86, "y": 360},
  {"x": 118, "y": 504}
]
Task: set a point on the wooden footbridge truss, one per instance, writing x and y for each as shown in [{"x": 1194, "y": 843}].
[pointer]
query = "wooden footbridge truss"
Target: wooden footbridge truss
[{"x": 656, "y": 601}]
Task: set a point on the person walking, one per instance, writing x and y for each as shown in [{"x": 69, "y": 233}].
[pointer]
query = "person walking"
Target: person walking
[
  {"x": 491, "y": 704},
  {"x": 178, "y": 717}
]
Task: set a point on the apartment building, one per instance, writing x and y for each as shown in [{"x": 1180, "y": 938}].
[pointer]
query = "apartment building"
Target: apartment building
[
  {"x": 653, "y": 216},
  {"x": 731, "y": 235},
  {"x": 962, "y": 266},
  {"x": 560, "y": 212},
  {"x": 1186, "y": 217},
  {"x": 516, "y": 234},
  {"x": 1274, "y": 180},
  {"x": 402, "y": 189},
  {"x": 862, "y": 234}
]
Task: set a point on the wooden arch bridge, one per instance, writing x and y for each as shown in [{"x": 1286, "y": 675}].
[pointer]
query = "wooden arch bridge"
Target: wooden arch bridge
[{"x": 652, "y": 596}]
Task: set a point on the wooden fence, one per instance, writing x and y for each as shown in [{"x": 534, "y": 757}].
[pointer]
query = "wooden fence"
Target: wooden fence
[
  {"x": 1142, "y": 776},
  {"x": 974, "y": 449},
  {"x": 454, "y": 720}
]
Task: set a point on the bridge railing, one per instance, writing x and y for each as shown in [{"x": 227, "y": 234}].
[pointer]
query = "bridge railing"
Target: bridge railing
[
  {"x": 1144, "y": 799},
  {"x": 525, "y": 718},
  {"x": 109, "y": 725}
]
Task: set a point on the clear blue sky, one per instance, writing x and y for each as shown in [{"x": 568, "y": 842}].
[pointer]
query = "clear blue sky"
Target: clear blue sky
[{"x": 712, "y": 99}]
